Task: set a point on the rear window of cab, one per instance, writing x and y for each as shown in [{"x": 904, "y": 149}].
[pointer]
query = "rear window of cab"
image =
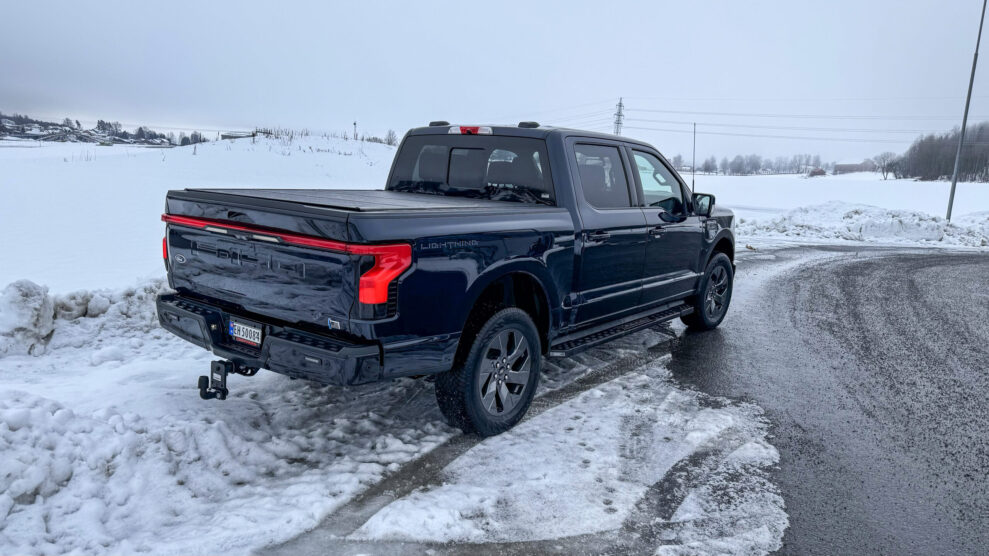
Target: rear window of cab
[{"x": 477, "y": 166}]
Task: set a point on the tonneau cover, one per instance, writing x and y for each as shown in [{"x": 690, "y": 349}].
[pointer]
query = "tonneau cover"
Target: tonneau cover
[{"x": 369, "y": 200}]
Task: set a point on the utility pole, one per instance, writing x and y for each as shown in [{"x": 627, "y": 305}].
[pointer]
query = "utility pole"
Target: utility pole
[
  {"x": 693, "y": 160},
  {"x": 968, "y": 100},
  {"x": 619, "y": 116}
]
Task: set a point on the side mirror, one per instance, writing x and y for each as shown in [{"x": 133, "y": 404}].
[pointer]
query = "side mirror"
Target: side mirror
[{"x": 703, "y": 204}]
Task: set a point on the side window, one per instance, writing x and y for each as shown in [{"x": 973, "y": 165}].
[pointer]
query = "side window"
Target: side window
[
  {"x": 602, "y": 176},
  {"x": 659, "y": 187}
]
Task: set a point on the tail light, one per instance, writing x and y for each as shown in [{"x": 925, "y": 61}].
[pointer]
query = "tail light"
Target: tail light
[
  {"x": 164, "y": 248},
  {"x": 390, "y": 261}
]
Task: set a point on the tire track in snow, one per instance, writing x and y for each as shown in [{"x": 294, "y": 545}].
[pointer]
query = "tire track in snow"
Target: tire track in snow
[
  {"x": 653, "y": 521},
  {"x": 427, "y": 470}
]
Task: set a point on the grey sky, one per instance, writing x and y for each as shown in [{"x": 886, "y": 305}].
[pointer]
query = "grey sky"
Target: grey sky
[{"x": 216, "y": 65}]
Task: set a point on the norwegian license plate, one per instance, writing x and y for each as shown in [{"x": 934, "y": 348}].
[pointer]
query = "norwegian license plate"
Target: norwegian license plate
[{"x": 245, "y": 333}]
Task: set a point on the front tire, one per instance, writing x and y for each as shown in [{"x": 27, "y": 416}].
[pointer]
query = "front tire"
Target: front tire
[
  {"x": 712, "y": 299},
  {"x": 492, "y": 390}
]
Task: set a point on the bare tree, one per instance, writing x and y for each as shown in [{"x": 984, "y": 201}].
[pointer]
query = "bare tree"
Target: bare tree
[
  {"x": 391, "y": 138},
  {"x": 884, "y": 163}
]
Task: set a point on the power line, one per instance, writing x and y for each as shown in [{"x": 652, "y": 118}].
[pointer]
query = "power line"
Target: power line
[
  {"x": 725, "y": 133},
  {"x": 593, "y": 115},
  {"x": 535, "y": 113},
  {"x": 796, "y": 116},
  {"x": 788, "y": 128},
  {"x": 796, "y": 99},
  {"x": 581, "y": 124}
]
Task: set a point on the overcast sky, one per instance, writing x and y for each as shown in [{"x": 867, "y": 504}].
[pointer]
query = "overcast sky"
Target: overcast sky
[{"x": 742, "y": 70}]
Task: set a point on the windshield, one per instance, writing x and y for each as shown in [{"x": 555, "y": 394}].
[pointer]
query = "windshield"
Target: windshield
[{"x": 480, "y": 167}]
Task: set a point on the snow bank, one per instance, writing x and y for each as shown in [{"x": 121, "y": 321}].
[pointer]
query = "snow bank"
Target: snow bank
[
  {"x": 29, "y": 315},
  {"x": 105, "y": 446},
  {"x": 847, "y": 222}
]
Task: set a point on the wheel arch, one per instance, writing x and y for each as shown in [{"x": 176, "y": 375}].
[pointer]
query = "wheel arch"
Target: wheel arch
[
  {"x": 723, "y": 243},
  {"x": 526, "y": 286}
]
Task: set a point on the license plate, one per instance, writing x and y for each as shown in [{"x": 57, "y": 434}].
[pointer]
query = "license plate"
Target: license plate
[{"x": 245, "y": 333}]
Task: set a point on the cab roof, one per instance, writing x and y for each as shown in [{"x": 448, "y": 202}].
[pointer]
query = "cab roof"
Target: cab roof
[{"x": 539, "y": 132}]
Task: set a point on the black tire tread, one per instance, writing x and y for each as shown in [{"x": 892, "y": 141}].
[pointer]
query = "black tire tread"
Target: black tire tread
[
  {"x": 697, "y": 320},
  {"x": 453, "y": 387}
]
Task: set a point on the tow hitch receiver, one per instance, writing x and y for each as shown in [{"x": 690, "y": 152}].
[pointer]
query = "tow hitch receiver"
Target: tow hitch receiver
[{"x": 215, "y": 385}]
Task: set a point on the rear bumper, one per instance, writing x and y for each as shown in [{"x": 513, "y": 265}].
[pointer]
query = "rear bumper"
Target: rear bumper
[{"x": 284, "y": 350}]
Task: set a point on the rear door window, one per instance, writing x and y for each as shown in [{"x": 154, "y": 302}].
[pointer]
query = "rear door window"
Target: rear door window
[{"x": 602, "y": 176}]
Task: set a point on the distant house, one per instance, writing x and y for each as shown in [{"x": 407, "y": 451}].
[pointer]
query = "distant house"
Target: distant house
[{"x": 850, "y": 167}]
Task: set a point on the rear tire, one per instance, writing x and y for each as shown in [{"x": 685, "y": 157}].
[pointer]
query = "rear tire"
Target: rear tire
[
  {"x": 714, "y": 295},
  {"x": 492, "y": 390}
]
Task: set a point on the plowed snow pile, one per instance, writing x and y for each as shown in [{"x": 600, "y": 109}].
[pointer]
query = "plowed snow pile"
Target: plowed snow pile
[
  {"x": 106, "y": 448},
  {"x": 847, "y": 222}
]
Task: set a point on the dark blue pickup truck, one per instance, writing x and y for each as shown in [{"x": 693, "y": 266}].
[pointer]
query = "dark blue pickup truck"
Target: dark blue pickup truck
[{"x": 490, "y": 249}]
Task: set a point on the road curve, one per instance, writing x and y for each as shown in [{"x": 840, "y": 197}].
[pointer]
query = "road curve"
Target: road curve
[{"x": 873, "y": 367}]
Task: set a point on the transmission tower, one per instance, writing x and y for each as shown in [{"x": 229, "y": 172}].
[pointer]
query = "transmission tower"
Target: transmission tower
[{"x": 619, "y": 116}]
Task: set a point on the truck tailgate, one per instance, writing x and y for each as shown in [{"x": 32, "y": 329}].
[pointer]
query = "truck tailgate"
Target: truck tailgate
[{"x": 239, "y": 262}]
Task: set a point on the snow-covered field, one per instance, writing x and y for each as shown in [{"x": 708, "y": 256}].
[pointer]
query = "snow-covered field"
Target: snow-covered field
[
  {"x": 75, "y": 215},
  {"x": 105, "y": 446},
  {"x": 82, "y": 216}
]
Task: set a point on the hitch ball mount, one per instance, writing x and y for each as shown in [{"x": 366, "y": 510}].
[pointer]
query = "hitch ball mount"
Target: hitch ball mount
[{"x": 215, "y": 385}]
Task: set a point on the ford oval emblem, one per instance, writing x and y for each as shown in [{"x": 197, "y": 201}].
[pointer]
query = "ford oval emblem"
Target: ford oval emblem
[{"x": 180, "y": 259}]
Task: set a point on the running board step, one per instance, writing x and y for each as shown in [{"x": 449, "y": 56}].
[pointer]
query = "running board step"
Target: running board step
[{"x": 594, "y": 338}]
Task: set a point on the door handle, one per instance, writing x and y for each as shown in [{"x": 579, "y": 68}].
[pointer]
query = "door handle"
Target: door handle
[
  {"x": 656, "y": 231},
  {"x": 598, "y": 235}
]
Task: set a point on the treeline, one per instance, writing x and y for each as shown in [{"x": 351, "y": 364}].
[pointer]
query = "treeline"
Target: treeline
[
  {"x": 114, "y": 129},
  {"x": 72, "y": 130},
  {"x": 932, "y": 157},
  {"x": 744, "y": 165}
]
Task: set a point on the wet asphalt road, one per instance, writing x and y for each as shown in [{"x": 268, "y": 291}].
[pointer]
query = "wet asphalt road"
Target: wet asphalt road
[{"x": 873, "y": 367}]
